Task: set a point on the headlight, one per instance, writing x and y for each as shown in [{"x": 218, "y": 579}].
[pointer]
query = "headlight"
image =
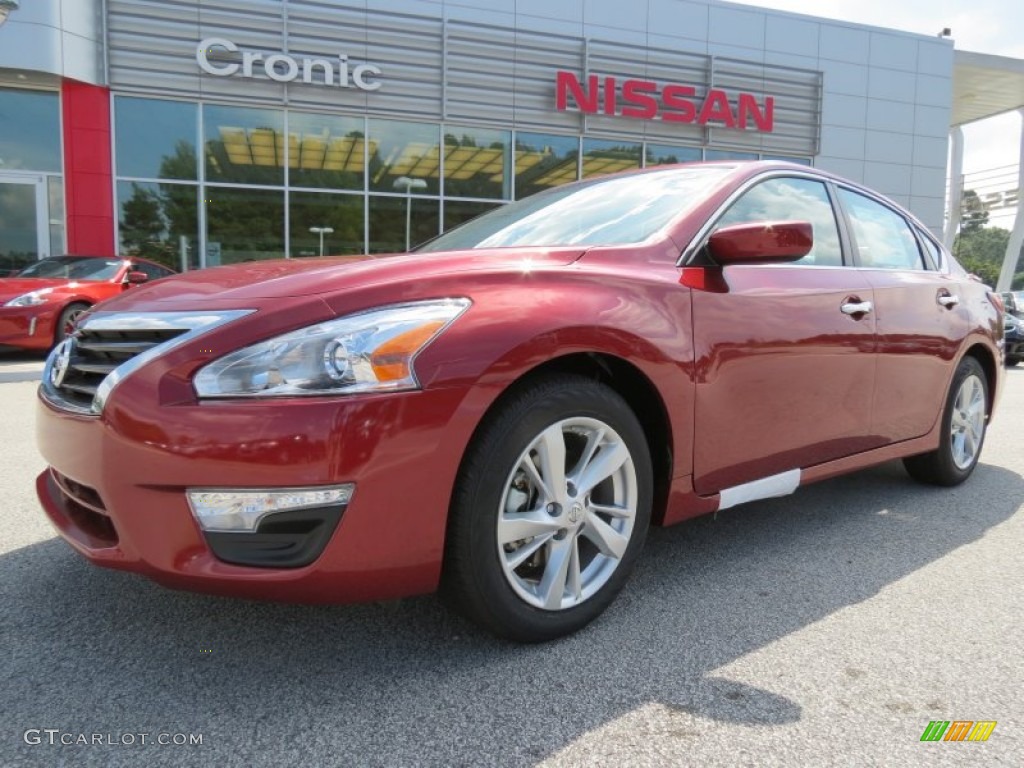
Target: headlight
[
  {"x": 369, "y": 352},
  {"x": 33, "y": 299},
  {"x": 228, "y": 509}
]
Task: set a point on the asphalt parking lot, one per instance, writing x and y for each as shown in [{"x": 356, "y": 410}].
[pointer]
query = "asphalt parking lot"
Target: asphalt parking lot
[{"x": 826, "y": 628}]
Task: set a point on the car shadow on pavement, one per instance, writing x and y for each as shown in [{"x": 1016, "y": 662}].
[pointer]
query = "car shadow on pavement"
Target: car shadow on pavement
[{"x": 406, "y": 682}]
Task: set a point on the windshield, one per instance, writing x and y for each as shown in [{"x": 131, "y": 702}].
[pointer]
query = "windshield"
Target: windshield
[
  {"x": 615, "y": 210},
  {"x": 73, "y": 267}
]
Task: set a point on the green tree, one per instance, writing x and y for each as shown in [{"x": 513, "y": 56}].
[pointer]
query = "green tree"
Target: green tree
[
  {"x": 982, "y": 250},
  {"x": 973, "y": 215},
  {"x": 142, "y": 225}
]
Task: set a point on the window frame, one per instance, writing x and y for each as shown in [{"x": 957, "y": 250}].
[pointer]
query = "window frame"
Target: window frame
[
  {"x": 694, "y": 254},
  {"x": 924, "y": 240},
  {"x": 924, "y": 262}
]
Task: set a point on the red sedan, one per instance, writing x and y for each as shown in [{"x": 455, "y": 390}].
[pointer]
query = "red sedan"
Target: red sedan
[
  {"x": 504, "y": 412},
  {"x": 40, "y": 304}
]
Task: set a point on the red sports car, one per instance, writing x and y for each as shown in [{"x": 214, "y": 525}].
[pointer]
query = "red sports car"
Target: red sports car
[
  {"x": 40, "y": 304},
  {"x": 505, "y": 411}
]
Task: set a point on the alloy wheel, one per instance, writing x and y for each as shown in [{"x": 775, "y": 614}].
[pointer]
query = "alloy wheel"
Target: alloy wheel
[
  {"x": 567, "y": 513},
  {"x": 967, "y": 422}
]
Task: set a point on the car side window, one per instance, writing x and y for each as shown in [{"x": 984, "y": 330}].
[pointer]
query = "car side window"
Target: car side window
[
  {"x": 153, "y": 271},
  {"x": 883, "y": 238},
  {"x": 785, "y": 199},
  {"x": 932, "y": 250}
]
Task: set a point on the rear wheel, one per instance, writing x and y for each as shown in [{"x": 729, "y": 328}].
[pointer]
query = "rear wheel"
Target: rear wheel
[
  {"x": 550, "y": 512},
  {"x": 1012, "y": 361},
  {"x": 964, "y": 421},
  {"x": 66, "y": 321}
]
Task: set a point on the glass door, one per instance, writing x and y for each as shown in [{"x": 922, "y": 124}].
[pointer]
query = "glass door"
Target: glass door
[{"x": 24, "y": 221}]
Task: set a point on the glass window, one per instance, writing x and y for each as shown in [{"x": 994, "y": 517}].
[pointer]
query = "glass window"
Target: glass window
[
  {"x": 398, "y": 223},
  {"x": 792, "y": 200},
  {"x": 544, "y": 161},
  {"x": 55, "y": 193},
  {"x": 243, "y": 145},
  {"x": 243, "y": 225},
  {"x": 152, "y": 271},
  {"x": 601, "y": 157},
  {"x": 326, "y": 151},
  {"x": 324, "y": 224},
  {"x": 476, "y": 162},
  {"x": 75, "y": 267},
  {"x": 405, "y": 156},
  {"x": 602, "y": 211},
  {"x": 159, "y": 222},
  {"x": 882, "y": 237},
  {"x": 932, "y": 250},
  {"x": 728, "y": 154},
  {"x": 457, "y": 212},
  {"x": 19, "y": 238},
  {"x": 30, "y": 132},
  {"x": 156, "y": 138},
  {"x": 658, "y": 154}
]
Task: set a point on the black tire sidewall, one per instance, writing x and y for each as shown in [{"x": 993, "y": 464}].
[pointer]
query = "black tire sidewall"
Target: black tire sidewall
[{"x": 497, "y": 448}]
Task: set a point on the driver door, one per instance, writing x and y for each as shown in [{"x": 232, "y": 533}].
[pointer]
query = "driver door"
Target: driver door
[{"x": 785, "y": 368}]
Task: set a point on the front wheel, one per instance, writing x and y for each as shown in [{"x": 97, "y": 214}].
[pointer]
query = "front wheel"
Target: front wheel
[
  {"x": 550, "y": 512},
  {"x": 964, "y": 420},
  {"x": 66, "y": 321}
]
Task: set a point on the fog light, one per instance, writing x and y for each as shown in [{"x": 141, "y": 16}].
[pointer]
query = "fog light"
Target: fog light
[{"x": 240, "y": 511}]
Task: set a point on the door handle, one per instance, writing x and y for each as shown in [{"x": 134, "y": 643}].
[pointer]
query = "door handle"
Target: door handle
[
  {"x": 948, "y": 300},
  {"x": 856, "y": 307}
]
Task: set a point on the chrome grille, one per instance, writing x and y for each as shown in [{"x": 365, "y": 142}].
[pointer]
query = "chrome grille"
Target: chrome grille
[
  {"x": 81, "y": 371},
  {"x": 94, "y": 355}
]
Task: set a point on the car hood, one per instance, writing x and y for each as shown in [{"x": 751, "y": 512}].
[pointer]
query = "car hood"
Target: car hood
[
  {"x": 283, "y": 278},
  {"x": 16, "y": 286}
]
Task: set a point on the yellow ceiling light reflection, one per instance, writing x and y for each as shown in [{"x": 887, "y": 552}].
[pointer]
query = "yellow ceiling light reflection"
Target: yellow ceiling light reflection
[
  {"x": 467, "y": 162},
  {"x": 595, "y": 166},
  {"x": 417, "y": 160},
  {"x": 306, "y": 151},
  {"x": 560, "y": 174}
]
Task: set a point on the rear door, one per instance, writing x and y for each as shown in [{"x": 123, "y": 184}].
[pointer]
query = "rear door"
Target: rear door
[
  {"x": 785, "y": 361},
  {"x": 921, "y": 317}
]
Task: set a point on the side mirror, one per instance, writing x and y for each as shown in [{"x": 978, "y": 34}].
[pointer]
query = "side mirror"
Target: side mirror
[
  {"x": 765, "y": 242},
  {"x": 136, "y": 278}
]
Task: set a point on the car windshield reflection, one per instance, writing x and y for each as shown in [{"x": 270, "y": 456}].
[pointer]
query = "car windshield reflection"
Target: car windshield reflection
[
  {"x": 73, "y": 267},
  {"x": 615, "y": 210}
]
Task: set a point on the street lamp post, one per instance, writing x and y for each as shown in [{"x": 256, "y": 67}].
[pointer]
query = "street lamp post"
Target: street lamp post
[
  {"x": 321, "y": 231},
  {"x": 404, "y": 182},
  {"x": 6, "y": 6}
]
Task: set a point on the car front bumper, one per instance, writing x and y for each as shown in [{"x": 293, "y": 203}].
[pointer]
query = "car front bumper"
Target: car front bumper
[
  {"x": 26, "y": 327},
  {"x": 116, "y": 487}
]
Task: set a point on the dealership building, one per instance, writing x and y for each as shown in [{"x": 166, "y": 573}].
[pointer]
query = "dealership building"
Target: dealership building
[{"x": 203, "y": 132}]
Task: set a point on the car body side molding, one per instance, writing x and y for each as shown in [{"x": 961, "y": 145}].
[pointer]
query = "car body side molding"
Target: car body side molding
[{"x": 770, "y": 487}]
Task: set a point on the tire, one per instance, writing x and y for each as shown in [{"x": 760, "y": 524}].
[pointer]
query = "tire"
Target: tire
[
  {"x": 529, "y": 555},
  {"x": 67, "y": 320},
  {"x": 964, "y": 420},
  {"x": 1012, "y": 361}
]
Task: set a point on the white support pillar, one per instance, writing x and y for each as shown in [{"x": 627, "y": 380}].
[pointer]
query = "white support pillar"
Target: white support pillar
[
  {"x": 956, "y": 184},
  {"x": 1017, "y": 233}
]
